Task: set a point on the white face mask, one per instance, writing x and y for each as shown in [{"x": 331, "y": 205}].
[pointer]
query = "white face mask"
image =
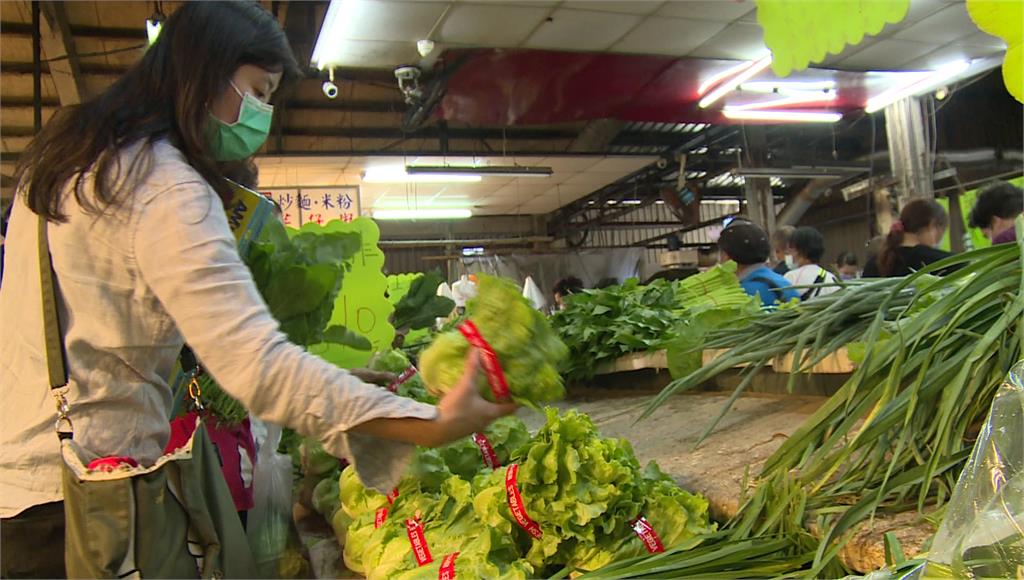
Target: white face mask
[{"x": 790, "y": 261}]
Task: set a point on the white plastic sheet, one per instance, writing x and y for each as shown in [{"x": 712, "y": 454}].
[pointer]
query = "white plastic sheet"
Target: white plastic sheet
[{"x": 533, "y": 293}]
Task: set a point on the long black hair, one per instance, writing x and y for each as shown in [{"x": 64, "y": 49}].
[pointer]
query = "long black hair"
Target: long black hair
[
  {"x": 917, "y": 215},
  {"x": 165, "y": 95}
]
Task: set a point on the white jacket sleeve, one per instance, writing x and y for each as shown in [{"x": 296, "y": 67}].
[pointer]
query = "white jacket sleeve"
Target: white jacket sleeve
[{"x": 186, "y": 254}]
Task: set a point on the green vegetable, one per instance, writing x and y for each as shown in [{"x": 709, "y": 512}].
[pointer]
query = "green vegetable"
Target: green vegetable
[
  {"x": 392, "y": 361},
  {"x": 600, "y": 326},
  {"x": 527, "y": 348},
  {"x": 421, "y": 306},
  {"x": 325, "y": 497},
  {"x": 316, "y": 460},
  {"x": 357, "y": 499},
  {"x": 340, "y": 522},
  {"x": 462, "y": 458}
]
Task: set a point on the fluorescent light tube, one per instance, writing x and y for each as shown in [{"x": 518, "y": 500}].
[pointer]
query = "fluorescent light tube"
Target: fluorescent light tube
[
  {"x": 422, "y": 214},
  {"x": 729, "y": 85},
  {"x": 397, "y": 174},
  {"x": 787, "y": 87},
  {"x": 796, "y": 99},
  {"x": 719, "y": 77},
  {"x": 333, "y": 34},
  {"x": 480, "y": 171},
  {"x": 921, "y": 83},
  {"x": 796, "y": 116}
]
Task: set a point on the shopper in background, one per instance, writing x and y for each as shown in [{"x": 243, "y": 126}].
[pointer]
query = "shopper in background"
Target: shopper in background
[
  {"x": 565, "y": 287},
  {"x": 806, "y": 247},
  {"x": 747, "y": 244},
  {"x": 995, "y": 210},
  {"x": 846, "y": 266},
  {"x": 144, "y": 259},
  {"x": 912, "y": 241},
  {"x": 780, "y": 249}
]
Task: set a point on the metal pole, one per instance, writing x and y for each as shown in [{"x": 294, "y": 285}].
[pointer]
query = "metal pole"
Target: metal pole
[
  {"x": 37, "y": 69},
  {"x": 909, "y": 151}
]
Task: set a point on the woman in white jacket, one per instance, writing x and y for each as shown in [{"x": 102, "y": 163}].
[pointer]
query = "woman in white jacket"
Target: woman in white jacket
[{"x": 129, "y": 185}]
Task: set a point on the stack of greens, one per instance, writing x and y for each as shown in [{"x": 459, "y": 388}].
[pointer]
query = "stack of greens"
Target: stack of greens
[
  {"x": 600, "y": 326},
  {"x": 895, "y": 436},
  {"x": 395, "y": 362},
  {"x": 584, "y": 491},
  {"x": 419, "y": 308},
  {"x": 528, "y": 349}
]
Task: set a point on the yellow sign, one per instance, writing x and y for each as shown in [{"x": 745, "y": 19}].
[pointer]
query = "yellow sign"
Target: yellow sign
[{"x": 1005, "y": 19}]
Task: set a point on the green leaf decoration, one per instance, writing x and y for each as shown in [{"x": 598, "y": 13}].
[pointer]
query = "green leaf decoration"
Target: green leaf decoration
[
  {"x": 801, "y": 32},
  {"x": 1005, "y": 19}
]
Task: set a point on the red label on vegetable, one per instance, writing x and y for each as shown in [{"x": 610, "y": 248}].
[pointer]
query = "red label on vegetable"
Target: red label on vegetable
[
  {"x": 392, "y": 496},
  {"x": 381, "y": 516},
  {"x": 515, "y": 503},
  {"x": 112, "y": 463},
  {"x": 486, "y": 451},
  {"x": 447, "y": 571},
  {"x": 495, "y": 374},
  {"x": 418, "y": 541},
  {"x": 402, "y": 378},
  {"x": 647, "y": 535}
]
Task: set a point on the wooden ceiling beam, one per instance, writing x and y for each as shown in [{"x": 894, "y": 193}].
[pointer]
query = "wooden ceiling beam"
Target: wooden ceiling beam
[{"x": 59, "y": 48}]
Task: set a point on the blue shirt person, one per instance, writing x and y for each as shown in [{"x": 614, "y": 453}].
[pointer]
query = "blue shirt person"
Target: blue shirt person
[{"x": 747, "y": 244}]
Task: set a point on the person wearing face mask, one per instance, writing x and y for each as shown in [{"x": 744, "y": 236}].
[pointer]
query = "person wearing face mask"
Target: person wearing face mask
[
  {"x": 127, "y": 189},
  {"x": 912, "y": 241},
  {"x": 780, "y": 250},
  {"x": 806, "y": 247},
  {"x": 846, "y": 266}
]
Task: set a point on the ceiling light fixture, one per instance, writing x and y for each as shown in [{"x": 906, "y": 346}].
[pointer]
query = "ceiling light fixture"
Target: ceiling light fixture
[
  {"x": 787, "y": 87},
  {"x": 920, "y": 83},
  {"x": 480, "y": 171},
  {"x": 729, "y": 85},
  {"x": 795, "y": 116},
  {"x": 422, "y": 214},
  {"x": 333, "y": 33},
  {"x": 795, "y": 99},
  {"x": 798, "y": 172},
  {"x": 721, "y": 76},
  {"x": 398, "y": 174}
]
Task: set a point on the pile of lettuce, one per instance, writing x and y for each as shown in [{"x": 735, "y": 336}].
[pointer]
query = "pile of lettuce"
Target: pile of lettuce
[
  {"x": 528, "y": 349},
  {"x": 583, "y": 490},
  {"x": 602, "y": 325}
]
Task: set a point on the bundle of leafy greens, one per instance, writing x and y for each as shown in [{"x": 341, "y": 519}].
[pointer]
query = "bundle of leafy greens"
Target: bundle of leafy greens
[
  {"x": 602, "y": 325},
  {"x": 463, "y": 457},
  {"x": 528, "y": 349},
  {"x": 584, "y": 491},
  {"x": 394, "y": 361},
  {"x": 420, "y": 307}
]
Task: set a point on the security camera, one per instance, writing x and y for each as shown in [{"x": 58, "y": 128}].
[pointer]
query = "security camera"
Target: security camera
[
  {"x": 330, "y": 89},
  {"x": 425, "y": 47}
]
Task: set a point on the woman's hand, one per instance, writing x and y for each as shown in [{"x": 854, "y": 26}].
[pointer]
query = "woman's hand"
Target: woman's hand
[{"x": 463, "y": 411}]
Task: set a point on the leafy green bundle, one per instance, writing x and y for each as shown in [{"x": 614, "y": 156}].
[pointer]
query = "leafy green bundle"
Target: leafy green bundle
[
  {"x": 584, "y": 491},
  {"x": 528, "y": 349},
  {"x": 394, "y": 361},
  {"x": 600, "y": 326}
]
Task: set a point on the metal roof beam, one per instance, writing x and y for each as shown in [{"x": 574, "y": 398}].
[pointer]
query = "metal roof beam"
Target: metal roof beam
[{"x": 59, "y": 47}]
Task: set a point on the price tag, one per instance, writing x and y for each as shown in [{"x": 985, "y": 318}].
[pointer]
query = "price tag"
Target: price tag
[
  {"x": 392, "y": 496},
  {"x": 486, "y": 451},
  {"x": 515, "y": 503},
  {"x": 495, "y": 374},
  {"x": 447, "y": 571},
  {"x": 380, "y": 517},
  {"x": 647, "y": 535},
  {"x": 402, "y": 378},
  {"x": 414, "y": 529}
]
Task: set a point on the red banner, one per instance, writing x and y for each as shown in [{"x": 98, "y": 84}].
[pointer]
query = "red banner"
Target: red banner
[
  {"x": 486, "y": 451},
  {"x": 392, "y": 496},
  {"x": 402, "y": 378},
  {"x": 495, "y": 375},
  {"x": 447, "y": 571},
  {"x": 647, "y": 535},
  {"x": 515, "y": 503},
  {"x": 418, "y": 541},
  {"x": 381, "y": 516}
]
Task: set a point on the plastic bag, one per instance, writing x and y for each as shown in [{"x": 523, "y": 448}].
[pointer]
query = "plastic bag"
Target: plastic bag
[
  {"x": 270, "y": 519},
  {"x": 532, "y": 293},
  {"x": 982, "y": 534}
]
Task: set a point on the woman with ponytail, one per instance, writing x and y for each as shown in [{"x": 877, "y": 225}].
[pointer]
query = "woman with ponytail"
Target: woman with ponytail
[{"x": 912, "y": 241}]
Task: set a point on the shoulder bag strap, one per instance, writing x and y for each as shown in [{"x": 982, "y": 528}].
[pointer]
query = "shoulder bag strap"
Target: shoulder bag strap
[
  {"x": 56, "y": 361},
  {"x": 812, "y": 292}
]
